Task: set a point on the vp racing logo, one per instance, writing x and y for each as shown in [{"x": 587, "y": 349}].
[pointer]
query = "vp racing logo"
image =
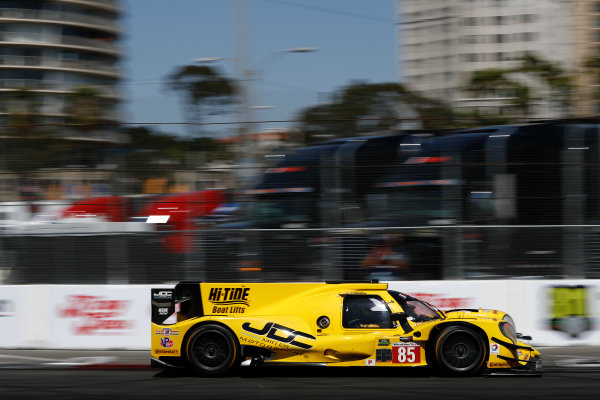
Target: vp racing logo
[
  {"x": 166, "y": 342},
  {"x": 279, "y": 335},
  {"x": 229, "y": 300}
]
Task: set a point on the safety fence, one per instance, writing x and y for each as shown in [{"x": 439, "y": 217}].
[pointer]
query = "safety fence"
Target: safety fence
[{"x": 267, "y": 255}]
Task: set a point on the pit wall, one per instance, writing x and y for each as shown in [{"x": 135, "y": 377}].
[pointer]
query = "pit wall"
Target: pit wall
[{"x": 101, "y": 317}]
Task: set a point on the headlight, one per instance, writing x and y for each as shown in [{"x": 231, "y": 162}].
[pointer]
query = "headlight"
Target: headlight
[{"x": 507, "y": 327}]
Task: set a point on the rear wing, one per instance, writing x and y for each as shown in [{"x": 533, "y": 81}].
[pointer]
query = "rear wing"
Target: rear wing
[{"x": 184, "y": 300}]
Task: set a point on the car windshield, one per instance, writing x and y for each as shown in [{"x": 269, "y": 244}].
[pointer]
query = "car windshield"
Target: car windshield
[{"x": 417, "y": 310}]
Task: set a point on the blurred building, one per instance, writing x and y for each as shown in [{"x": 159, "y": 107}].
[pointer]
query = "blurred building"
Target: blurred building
[
  {"x": 587, "y": 45},
  {"x": 59, "y": 64},
  {"x": 443, "y": 41}
]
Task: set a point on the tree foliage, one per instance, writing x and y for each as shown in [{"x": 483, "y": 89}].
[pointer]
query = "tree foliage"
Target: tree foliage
[
  {"x": 152, "y": 154},
  {"x": 510, "y": 83},
  {"x": 362, "y": 108},
  {"x": 204, "y": 92},
  {"x": 592, "y": 65},
  {"x": 23, "y": 112},
  {"x": 83, "y": 108}
]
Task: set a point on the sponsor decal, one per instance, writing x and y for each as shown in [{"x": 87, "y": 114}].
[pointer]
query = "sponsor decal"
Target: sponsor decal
[
  {"x": 406, "y": 353},
  {"x": 166, "y": 351},
  {"x": 159, "y": 304},
  {"x": 444, "y": 302},
  {"x": 569, "y": 309},
  {"x": 96, "y": 315},
  {"x": 383, "y": 355},
  {"x": 383, "y": 342},
  {"x": 167, "y": 332},
  {"x": 166, "y": 342},
  {"x": 406, "y": 338},
  {"x": 369, "y": 362},
  {"x": 523, "y": 355},
  {"x": 163, "y": 295},
  {"x": 229, "y": 300},
  {"x": 279, "y": 335},
  {"x": 494, "y": 349},
  {"x": 497, "y": 364},
  {"x": 163, "y": 304},
  {"x": 7, "y": 308}
]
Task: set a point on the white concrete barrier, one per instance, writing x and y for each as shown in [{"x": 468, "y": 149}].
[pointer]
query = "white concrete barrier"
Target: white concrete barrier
[
  {"x": 75, "y": 316},
  {"x": 553, "y": 312}
]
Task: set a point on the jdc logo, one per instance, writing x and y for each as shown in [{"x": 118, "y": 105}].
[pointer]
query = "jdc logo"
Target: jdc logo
[
  {"x": 163, "y": 294},
  {"x": 270, "y": 331}
]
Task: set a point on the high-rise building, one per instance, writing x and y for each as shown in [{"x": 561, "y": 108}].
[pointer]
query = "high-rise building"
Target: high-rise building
[
  {"x": 442, "y": 42},
  {"x": 53, "y": 49},
  {"x": 587, "y": 45}
]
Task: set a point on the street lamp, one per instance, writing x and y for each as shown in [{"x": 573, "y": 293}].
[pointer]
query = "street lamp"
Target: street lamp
[
  {"x": 246, "y": 116},
  {"x": 209, "y": 59},
  {"x": 269, "y": 59}
]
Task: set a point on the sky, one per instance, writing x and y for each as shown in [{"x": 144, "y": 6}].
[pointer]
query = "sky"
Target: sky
[{"x": 355, "y": 40}]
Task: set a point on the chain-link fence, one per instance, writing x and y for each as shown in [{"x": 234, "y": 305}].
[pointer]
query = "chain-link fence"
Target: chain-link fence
[{"x": 453, "y": 252}]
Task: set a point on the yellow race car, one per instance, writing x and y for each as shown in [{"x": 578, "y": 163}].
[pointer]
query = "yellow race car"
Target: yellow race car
[{"x": 213, "y": 328}]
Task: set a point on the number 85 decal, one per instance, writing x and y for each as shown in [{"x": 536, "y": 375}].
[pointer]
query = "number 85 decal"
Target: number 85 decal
[{"x": 409, "y": 353}]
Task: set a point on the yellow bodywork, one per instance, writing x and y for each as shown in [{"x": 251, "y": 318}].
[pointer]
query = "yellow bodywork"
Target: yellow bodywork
[{"x": 283, "y": 319}]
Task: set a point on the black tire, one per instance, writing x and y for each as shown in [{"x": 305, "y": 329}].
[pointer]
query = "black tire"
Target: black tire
[
  {"x": 213, "y": 350},
  {"x": 460, "y": 350}
]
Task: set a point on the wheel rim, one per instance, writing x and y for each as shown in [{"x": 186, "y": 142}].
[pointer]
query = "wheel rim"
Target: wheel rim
[
  {"x": 211, "y": 351},
  {"x": 461, "y": 351}
]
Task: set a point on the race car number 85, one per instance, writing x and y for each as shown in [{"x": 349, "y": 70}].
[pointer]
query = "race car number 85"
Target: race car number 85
[{"x": 407, "y": 354}]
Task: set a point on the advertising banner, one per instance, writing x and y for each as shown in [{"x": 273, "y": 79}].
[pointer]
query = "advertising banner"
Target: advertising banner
[{"x": 100, "y": 317}]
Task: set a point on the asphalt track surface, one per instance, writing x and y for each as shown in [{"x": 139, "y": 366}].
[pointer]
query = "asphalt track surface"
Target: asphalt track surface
[{"x": 569, "y": 374}]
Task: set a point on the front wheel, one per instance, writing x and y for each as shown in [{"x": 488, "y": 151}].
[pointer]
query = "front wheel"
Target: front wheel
[
  {"x": 212, "y": 350},
  {"x": 460, "y": 350}
]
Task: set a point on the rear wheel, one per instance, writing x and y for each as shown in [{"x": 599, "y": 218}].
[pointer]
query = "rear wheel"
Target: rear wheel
[
  {"x": 460, "y": 350},
  {"x": 213, "y": 350}
]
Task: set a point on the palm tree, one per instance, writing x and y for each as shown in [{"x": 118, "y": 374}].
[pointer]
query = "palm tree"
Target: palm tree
[
  {"x": 83, "y": 108},
  {"x": 361, "y": 108},
  {"x": 23, "y": 112},
  {"x": 488, "y": 81},
  {"x": 205, "y": 92},
  {"x": 26, "y": 147},
  {"x": 494, "y": 83},
  {"x": 554, "y": 77}
]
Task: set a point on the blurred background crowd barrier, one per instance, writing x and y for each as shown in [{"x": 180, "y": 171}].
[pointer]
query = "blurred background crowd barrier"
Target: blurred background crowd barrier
[{"x": 455, "y": 252}]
